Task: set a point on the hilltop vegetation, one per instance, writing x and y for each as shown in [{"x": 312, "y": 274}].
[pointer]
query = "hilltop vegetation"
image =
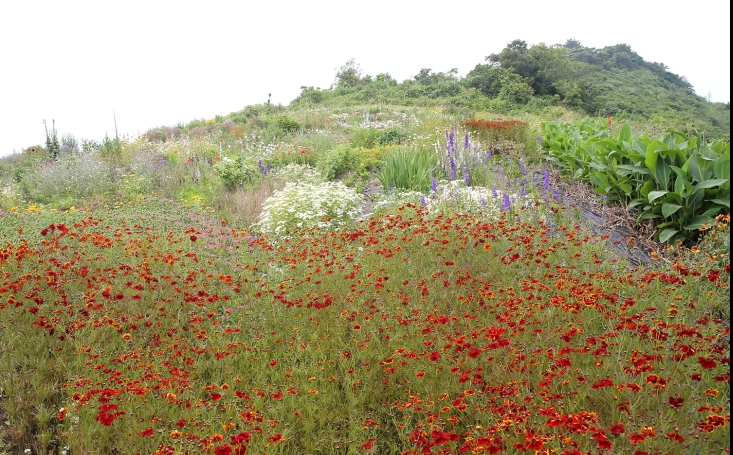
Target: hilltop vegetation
[{"x": 613, "y": 80}]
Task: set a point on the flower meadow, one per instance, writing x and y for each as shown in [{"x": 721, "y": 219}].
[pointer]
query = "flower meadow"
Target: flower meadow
[
  {"x": 406, "y": 334},
  {"x": 465, "y": 319}
]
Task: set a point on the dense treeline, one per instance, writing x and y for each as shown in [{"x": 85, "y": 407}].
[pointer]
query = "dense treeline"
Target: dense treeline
[{"x": 613, "y": 80}]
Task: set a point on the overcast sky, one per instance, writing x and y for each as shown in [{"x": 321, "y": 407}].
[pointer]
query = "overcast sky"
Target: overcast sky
[{"x": 156, "y": 63}]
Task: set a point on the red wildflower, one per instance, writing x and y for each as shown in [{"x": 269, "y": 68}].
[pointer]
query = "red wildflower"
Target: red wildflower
[
  {"x": 617, "y": 429},
  {"x": 603, "y": 383},
  {"x": 146, "y": 433},
  {"x": 676, "y": 436},
  {"x": 193, "y": 238},
  {"x": 273, "y": 362},
  {"x": 636, "y": 438},
  {"x": 707, "y": 362},
  {"x": 676, "y": 402}
]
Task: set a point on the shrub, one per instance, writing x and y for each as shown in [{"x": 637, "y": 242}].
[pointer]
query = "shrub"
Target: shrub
[
  {"x": 336, "y": 162},
  {"x": 287, "y": 124},
  {"x": 237, "y": 172},
  {"x": 300, "y": 206}
]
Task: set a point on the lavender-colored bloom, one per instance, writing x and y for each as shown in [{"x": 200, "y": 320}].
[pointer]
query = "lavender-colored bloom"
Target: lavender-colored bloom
[
  {"x": 465, "y": 177},
  {"x": 539, "y": 139},
  {"x": 482, "y": 202},
  {"x": 434, "y": 184},
  {"x": 493, "y": 191},
  {"x": 522, "y": 191},
  {"x": 506, "y": 203},
  {"x": 556, "y": 195},
  {"x": 422, "y": 200},
  {"x": 452, "y": 168},
  {"x": 465, "y": 143},
  {"x": 522, "y": 168},
  {"x": 546, "y": 180}
]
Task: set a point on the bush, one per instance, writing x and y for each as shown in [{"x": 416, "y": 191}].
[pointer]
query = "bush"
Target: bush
[
  {"x": 287, "y": 124},
  {"x": 336, "y": 162},
  {"x": 300, "y": 206},
  {"x": 235, "y": 173}
]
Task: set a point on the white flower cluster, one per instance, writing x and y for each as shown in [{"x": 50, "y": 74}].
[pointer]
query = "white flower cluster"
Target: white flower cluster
[
  {"x": 302, "y": 173},
  {"x": 326, "y": 205}
]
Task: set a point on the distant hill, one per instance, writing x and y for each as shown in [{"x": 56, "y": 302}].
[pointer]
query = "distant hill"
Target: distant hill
[{"x": 613, "y": 80}]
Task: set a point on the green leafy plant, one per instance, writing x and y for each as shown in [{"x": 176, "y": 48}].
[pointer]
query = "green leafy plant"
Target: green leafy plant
[
  {"x": 679, "y": 181},
  {"x": 336, "y": 162},
  {"x": 409, "y": 169},
  {"x": 237, "y": 172}
]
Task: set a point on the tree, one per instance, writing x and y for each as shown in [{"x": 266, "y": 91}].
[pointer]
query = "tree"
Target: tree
[{"x": 348, "y": 75}]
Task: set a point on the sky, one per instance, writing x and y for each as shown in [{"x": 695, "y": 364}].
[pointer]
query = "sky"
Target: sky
[{"x": 159, "y": 63}]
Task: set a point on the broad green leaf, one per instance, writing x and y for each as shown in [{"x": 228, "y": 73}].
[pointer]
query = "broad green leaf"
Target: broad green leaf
[
  {"x": 646, "y": 188},
  {"x": 656, "y": 194},
  {"x": 721, "y": 169},
  {"x": 667, "y": 234},
  {"x": 639, "y": 169},
  {"x": 698, "y": 222},
  {"x": 722, "y": 201},
  {"x": 651, "y": 157},
  {"x": 669, "y": 209},
  {"x": 680, "y": 172},
  {"x": 696, "y": 172},
  {"x": 648, "y": 216},
  {"x": 694, "y": 200},
  {"x": 710, "y": 183},
  {"x": 662, "y": 174},
  {"x": 625, "y": 133},
  {"x": 636, "y": 203},
  {"x": 679, "y": 185}
]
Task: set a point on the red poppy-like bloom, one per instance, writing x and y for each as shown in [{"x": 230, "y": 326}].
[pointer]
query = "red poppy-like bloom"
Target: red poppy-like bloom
[
  {"x": 707, "y": 362},
  {"x": 193, "y": 238},
  {"x": 676, "y": 402}
]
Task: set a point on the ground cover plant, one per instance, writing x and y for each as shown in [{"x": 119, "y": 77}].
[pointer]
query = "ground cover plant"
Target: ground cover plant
[{"x": 243, "y": 286}]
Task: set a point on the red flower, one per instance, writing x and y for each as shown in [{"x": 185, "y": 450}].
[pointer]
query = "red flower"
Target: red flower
[
  {"x": 146, "y": 433},
  {"x": 676, "y": 402},
  {"x": 707, "y": 362},
  {"x": 603, "y": 383},
  {"x": 617, "y": 429},
  {"x": 277, "y": 396},
  {"x": 277, "y": 437},
  {"x": 636, "y": 438},
  {"x": 215, "y": 396},
  {"x": 193, "y": 238},
  {"x": 273, "y": 362}
]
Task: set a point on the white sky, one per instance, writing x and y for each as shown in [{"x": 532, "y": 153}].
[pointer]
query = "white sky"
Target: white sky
[{"x": 157, "y": 63}]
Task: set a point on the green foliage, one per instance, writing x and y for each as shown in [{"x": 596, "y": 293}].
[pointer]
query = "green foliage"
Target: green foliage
[
  {"x": 680, "y": 182},
  {"x": 286, "y": 124},
  {"x": 408, "y": 169},
  {"x": 336, "y": 162},
  {"x": 237, "y": 173}
]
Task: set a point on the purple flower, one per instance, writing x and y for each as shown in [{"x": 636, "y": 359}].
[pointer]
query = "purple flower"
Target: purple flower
[
  {"x": 539, "y": 139},
  {"x": 546, "y": 180},
  {"x": 493, "y": 191},
  {"x": 434, "y": 184},
  {"x": 422, "y": 200},
  {"x": 465, "y": 177},
  {"x": 556, "y": 195},
  {"x": 482, "y": 202},
  {"x": 522, "y": 168},
  {"x": 465, "y": 143},
  {"x": 506, "y": 203}
]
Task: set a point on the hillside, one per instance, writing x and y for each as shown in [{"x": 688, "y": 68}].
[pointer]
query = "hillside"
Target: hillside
[{"x": 613, "y": 80}]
